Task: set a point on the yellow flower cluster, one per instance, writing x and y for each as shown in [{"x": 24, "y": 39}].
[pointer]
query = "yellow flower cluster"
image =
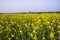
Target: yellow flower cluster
[{"x": 44, "y": 26}]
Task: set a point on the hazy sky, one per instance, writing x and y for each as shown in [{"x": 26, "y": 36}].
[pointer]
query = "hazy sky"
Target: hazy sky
[{"x": 29, "y": 5}]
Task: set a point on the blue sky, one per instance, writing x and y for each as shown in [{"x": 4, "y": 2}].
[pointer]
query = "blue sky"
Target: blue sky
[{"x": 29, "y": 5}]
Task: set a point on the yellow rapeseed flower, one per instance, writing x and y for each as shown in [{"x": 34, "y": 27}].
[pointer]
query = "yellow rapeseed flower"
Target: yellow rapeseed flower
[
  {"x": 49, "y": 27},
  {"x": 51, "y": 35},
  {"x": 1, "y": 21},
  {"x": 20, "y": 31},
  {"x": 26, "y": 25},
  {"x": 6, "y": 22},
  {"x": 34, "y": 31},
  {"x": 12, "y": 22},
  {"x": 58, "y": 26},
  {"x": 0, "y": 25},
  {"x": 43, "y": 38},
  {"x": 30, "y": 34},
  {"x": 9, "y": 38},
  {"x": 53, "y": 20},
  {"x": 8, "y": 27},
  {"x": 35, "y": 38},
  {"x": 12, "y": 35},
  {"x": 32, "y": 24},
  {"x": 58, "y": 31},
  {"x": 59, "y": 23},
  {"x": 36, "y": 27},
  {"x": 48, "y": 22}
]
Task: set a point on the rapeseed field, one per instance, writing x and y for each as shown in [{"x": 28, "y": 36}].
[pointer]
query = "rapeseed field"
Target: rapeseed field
[{"x": 44, "y": 26}]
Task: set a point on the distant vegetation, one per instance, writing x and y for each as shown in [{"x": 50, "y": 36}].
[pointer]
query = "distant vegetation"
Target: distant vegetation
[
  {"x": 33, "y": 26},
  {"x": 30, "y": 12}
]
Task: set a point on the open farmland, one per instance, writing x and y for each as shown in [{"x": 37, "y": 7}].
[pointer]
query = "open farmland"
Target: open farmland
[{"x": 33, "y": 26}]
